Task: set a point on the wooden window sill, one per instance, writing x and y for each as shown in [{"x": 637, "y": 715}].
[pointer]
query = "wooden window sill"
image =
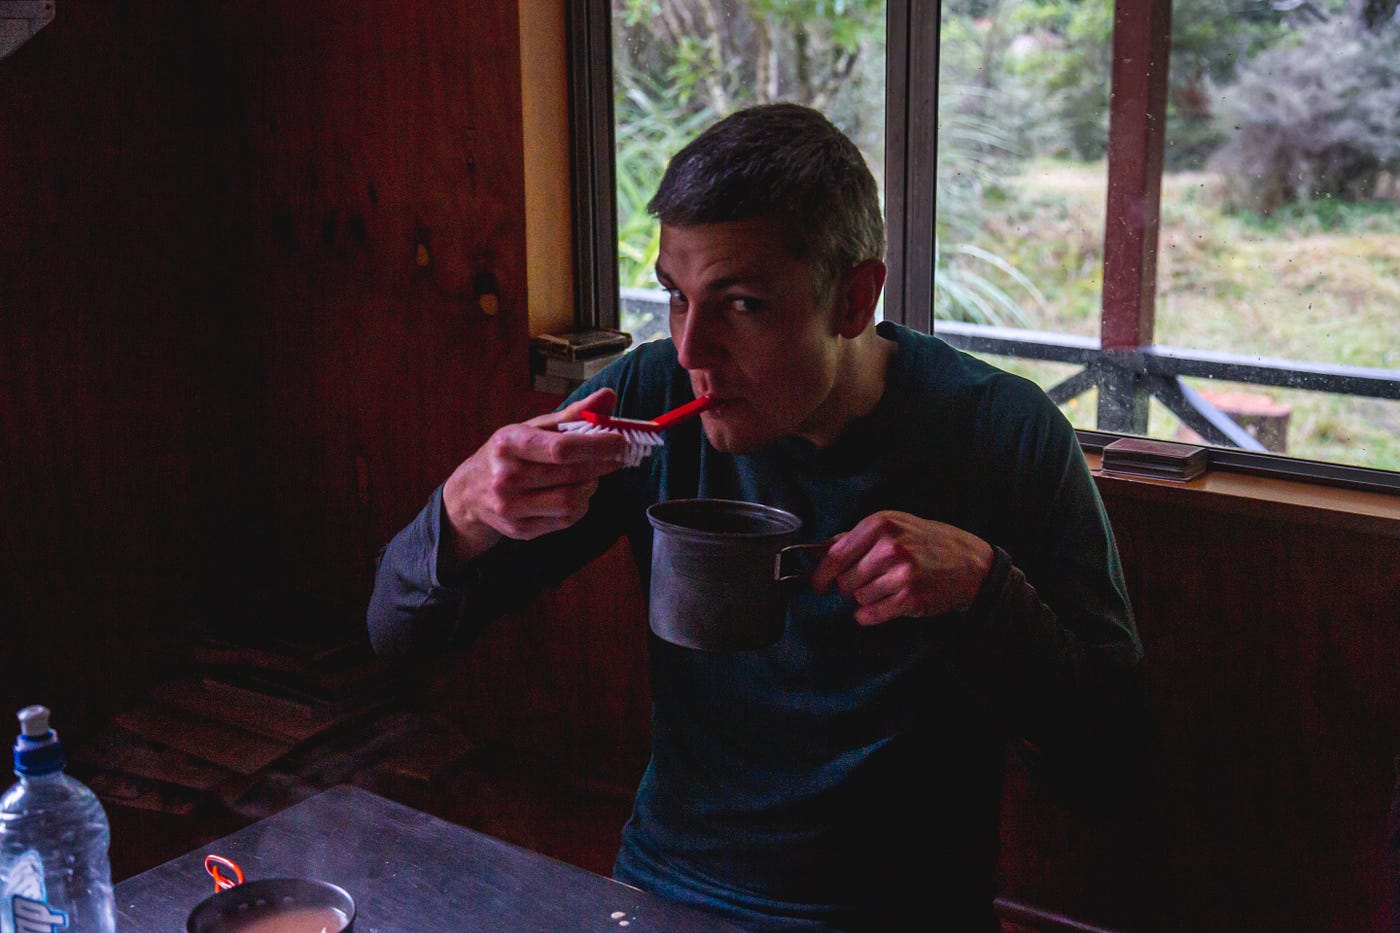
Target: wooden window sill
[{"x": 1262, "y": 497}]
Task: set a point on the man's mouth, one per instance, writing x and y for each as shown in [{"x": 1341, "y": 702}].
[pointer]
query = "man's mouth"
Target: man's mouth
[{"x": 717, "y": 404}]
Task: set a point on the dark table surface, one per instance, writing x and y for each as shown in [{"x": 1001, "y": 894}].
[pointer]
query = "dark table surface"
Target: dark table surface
[{"x": 407, "y": 871}]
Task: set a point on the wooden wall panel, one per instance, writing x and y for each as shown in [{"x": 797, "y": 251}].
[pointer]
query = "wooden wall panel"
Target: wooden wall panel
[
  {"x": 227, "y": 371},
  {"x": 380, "y": 177},
  {"x": 109, "y": 299},
  {"x": 1271, "y": 649}
]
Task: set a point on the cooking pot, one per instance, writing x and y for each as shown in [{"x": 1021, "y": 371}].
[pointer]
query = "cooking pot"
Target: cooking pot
[
  {"x": 284, "y": 905},
  {"x": 720, "y": 571}
]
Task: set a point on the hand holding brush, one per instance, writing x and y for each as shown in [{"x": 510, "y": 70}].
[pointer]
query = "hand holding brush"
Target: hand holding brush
[{"x": 530, "y": 479}]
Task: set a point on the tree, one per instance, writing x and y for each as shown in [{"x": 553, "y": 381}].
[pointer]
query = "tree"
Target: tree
[
  {"x": 720, "y": 55},
  {"x": 1318, "y": 115},
  {"x": 681, "y": 64}
]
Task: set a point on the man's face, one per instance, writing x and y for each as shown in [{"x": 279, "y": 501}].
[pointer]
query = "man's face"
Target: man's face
[{"x": 753, "y": 329}]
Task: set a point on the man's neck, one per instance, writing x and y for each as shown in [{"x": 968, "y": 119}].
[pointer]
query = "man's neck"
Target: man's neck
[{"x": 860, "y": 384}]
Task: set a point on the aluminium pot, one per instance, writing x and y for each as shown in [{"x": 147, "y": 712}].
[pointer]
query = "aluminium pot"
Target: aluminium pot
[
  {"x": 243, "y": 904},
  {"x": 719, "y": 572}
]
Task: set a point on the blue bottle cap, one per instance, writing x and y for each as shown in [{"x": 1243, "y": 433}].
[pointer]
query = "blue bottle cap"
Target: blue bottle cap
[{"x": 37, "y": 749}]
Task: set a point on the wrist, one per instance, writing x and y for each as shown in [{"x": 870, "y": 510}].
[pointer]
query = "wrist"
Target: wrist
[
  {"x": 472, "y": 540},
  {"x": 460, "y": 541},
  {"x": 466, "y": 535},
  {"x": 992, "y": 580}
]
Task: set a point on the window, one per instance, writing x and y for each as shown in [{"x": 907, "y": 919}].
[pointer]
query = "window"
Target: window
[
  {"x": 1246, "y": 303},
  {"x": 679, "y": 65}
]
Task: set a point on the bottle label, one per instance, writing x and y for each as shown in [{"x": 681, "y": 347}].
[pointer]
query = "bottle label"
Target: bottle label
[{"x": 26, "y": 901}]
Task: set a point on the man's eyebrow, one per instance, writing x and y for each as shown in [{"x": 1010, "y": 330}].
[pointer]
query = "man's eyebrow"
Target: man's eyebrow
[{"x": 718, "y": 285}]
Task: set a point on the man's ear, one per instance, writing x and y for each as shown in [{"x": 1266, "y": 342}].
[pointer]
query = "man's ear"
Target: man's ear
[{"x": 859, "y": 294}]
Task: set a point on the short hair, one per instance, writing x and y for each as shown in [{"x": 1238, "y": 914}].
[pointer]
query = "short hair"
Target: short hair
[{"x": 784, "y": 161}]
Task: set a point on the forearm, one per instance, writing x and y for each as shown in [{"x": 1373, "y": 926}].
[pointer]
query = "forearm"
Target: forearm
[
  {"x": 426, "y": 597},
  {"x": 412, "y": 606},
  {"x": 1073, "y": 703}
]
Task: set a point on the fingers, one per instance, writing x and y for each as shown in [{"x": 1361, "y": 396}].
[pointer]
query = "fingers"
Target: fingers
[
  {"x": 834, "y": 562},
  {"x": 601, "y": 401},
  {"x": 893, "y": 565},
  {"x": 884, "y": 610},
  {"x": 883, "y": 583},
  {"x": 530, "y": 479},
  {"x": 588, "y": 455},
  {"x": 540, "y": 512},
  {"x": 847, "y": 550},
  {"x": 539, "y": 441}
]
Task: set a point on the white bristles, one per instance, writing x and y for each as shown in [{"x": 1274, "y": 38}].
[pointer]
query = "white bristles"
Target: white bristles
[{"x": 639, "y": 443}]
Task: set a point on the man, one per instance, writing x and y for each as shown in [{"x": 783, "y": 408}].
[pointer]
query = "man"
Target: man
[{"x": 849, "y": 776}]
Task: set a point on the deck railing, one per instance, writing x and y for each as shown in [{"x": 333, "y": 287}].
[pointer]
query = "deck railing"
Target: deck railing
[{"x": 1127, "y": 380}]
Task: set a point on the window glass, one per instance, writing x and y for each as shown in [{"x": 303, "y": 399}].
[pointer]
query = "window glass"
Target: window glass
[
  {"x": 1279, "y": 237},
  {"x": 679, "y": 65},
  {"x": 1278, "y": 263},
  {"x": 1281, "y": 214},
  {"x": 1022, "y": 173}
]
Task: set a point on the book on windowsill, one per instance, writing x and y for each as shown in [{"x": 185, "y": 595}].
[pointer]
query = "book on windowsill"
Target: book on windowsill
[
  {"x": 582, "y": 345},
  {"x": 1138, "y": 456},
  {"x": 577, "y": 370}
]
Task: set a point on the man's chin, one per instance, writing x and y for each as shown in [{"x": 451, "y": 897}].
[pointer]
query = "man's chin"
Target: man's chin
[{"x": 726, "y": 439}]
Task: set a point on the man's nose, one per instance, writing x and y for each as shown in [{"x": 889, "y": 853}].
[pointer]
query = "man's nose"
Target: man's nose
[{"x": 697, "y": 338}]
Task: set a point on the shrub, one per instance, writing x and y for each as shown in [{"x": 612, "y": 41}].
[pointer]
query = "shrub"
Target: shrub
[{"x": 1316, "y": 116}]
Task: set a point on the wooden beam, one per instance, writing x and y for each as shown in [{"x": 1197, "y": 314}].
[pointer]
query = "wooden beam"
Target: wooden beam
[{"x": 1136, "y": 133}]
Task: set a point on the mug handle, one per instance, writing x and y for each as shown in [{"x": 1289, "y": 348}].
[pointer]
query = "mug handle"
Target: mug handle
[{"x": 778, "y": 570}]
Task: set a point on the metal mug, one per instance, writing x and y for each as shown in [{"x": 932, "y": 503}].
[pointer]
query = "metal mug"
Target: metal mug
[
  {"x": 718, "y": 572},
  {"x": 239, "y": 904}
]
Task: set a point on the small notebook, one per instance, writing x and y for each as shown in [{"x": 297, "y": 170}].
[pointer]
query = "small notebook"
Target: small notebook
[{"x": 1138, "y": 456}]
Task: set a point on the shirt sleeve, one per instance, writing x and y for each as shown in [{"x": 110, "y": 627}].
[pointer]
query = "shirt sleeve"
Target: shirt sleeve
[
  {"x": 1050, "y": 640},
  {"x": 424, "y": 601},
  {"x": 1073, "y": 710},
  {"x": 411, "y": 605}
]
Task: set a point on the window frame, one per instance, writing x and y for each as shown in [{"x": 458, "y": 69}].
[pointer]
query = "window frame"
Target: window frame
[
  {"x": 1137, "y": 138},
  {"x": 591, "y": 132}
]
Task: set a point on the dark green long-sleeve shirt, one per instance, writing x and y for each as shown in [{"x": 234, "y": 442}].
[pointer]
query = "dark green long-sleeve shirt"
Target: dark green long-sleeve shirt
[{"x": 847, "y": 777}]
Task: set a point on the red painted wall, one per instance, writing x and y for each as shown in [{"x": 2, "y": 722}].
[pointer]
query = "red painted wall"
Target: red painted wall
[{"x": 227, "y": 371}]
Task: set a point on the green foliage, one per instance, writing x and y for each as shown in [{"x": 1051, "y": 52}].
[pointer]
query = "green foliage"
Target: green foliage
[
  {"x": 681, "y": 64},
  {"x": 1327, "y": 215},
  {"x": 972, "y": 283},
  {"x": 1316, "y": 282},
  {"x": 1050, "y": 61},
  {"x": 720, "y": 55},
  {"x": 1315, "y": 117},
  {"x": 649, "y": 132},
  {"x": 1070, "y": 70}
]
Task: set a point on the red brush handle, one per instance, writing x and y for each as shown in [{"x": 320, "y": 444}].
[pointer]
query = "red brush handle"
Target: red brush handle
[
  {"x": 685, "y": 411},
  {"x": 671, "y": 417}
]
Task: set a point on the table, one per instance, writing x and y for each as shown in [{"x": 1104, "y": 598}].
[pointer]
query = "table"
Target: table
[{"x": 408, "y": 873}]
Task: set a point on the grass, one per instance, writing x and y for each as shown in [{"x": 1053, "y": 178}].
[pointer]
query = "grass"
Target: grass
[{"x": 1317, "y": 283}]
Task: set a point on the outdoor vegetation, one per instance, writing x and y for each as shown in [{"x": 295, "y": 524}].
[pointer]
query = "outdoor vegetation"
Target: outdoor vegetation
[{"x": 1280, "y": 232}]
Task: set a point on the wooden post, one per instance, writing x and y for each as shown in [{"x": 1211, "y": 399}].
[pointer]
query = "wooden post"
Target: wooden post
[{"x": 1136, "y": 135}]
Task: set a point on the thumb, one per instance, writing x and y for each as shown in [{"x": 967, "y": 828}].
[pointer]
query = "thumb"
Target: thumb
[
  {"x": 601, "y": 401},
  {"x": 828, "y": 568}
]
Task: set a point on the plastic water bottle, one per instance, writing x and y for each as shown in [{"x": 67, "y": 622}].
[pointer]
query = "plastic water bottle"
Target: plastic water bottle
[{"x": 54, "y": 872}]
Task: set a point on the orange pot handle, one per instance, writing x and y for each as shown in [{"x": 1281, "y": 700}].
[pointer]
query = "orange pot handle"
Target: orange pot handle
[{"x": 222, "y": 882}]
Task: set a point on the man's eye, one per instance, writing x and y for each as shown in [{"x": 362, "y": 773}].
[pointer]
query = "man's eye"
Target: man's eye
[
  {"x": 676, "y": 296},
  {"x": 747, "y": 305}
]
